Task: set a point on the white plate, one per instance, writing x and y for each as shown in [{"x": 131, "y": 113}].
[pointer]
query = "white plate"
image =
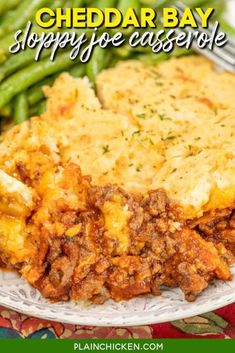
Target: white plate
[{"x": 16, "y": 294}]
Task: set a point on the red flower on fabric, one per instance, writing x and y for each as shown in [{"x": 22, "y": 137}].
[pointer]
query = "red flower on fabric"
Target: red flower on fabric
[{"x": 30, "y": 325}]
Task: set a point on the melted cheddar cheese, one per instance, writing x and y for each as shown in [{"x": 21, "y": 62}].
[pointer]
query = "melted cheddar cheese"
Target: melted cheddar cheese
[{"x": 116, "y": 216}]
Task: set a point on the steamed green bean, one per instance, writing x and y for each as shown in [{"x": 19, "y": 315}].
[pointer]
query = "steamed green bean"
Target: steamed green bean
[
  {"x": 42, "y": 107},
  {"x": 76, "y": 3},
  {"x": 78, "y": 70},
  {"x": 21, "y": 108},
  {"x": 8, "y": 5},
  {"x": 28, "y": 76},
  {"x": 6, "y": 111},
  {"x": 21, "y": 77},
  {"x": 96, "y": 64},
  {"x": 124, "y": 5},
  {"x": 14, "y": 20},
  {"x": 35, "y": 93},
  {"x": 102, "y": 4},
  {"x": 18, "y": 61}
]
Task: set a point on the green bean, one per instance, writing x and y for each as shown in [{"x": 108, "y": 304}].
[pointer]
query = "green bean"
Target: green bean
[
  {"x": 102, "y": 4},
  {"x": 8, "y": 40},
  {"x": 20, "y": 108},
  {"x": 178, "y": 52},
  {"x": 42, "y": 107},
  {"x": 123, "y": 52},
  {"x": 6, "y": 111},
  {"x": 2, "y": 58},
  {"x": 162, "y": 56},
  {"x": 14, "y": 20},
  {"x": 18, "y": 61},
  {"x": 57, "y": 3},
  {"x": 64, "y": 4},
  {"x": 8, "y": 5},
  {"x": 78, "y": 70},
  {"x": 124, "y": 5},
  {"x": 96, "y": 63},
  {"x": 35, "y": 93},
  {"x": 34, "y": 111},
  {"x": 153, "y": 4},
  {"x": 196, "y": 3},
  {"x": 76, "y": 3},
  {"x": 5, "y": 43},
  {"x": 219, "y": 7},
  {"x": 153, "y": 58},
  {"x": 29, "y": 76},
  {"x": 38, "y": 108}
]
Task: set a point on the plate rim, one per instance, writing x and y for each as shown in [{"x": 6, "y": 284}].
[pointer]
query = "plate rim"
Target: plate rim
[
  {"x": 145, "y": 320},
  {"x": 134, "y": 318}
]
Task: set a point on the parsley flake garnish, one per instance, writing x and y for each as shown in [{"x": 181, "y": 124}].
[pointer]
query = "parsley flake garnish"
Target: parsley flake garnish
[
  {"x": 163, "y": 117},
  {"x": 141, "y": 116},
  {"x": 106, "y": 149},
  {"x": 137, "y": 132},
  {"x": 170, "y": 137}
]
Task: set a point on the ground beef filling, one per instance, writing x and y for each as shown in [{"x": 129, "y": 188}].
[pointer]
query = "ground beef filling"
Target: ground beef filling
[{"x": 96, "y": 243}]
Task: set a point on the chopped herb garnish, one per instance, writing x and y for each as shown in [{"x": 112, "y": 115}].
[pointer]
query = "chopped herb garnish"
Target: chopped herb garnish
[
  {"x": 160, "y": 84},
  {"x": 106, "y": 149},
  {"x": 131, "y": 165},
  {"x": 170, "y": 137},
  {"x": 141, "y": 116},
  {"x": 138, "y": 169},
  {"x": 137, "y": 132},
  {"x": 197, "y": 138},
  {"x": 122, "y": 132},
  {"x": 163, "y": 117},
  {"x": 76, "y": 93},
  {"x": 151, "y": 141},
  {"x": 174, "y": 170}
]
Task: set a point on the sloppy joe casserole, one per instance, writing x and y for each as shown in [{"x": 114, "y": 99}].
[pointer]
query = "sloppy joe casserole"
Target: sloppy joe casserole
[{"x": 115, "y": 195}]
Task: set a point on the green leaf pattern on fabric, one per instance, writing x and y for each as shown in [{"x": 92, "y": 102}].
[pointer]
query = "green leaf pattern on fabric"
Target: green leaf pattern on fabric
[{"x": 202, "y": 324}]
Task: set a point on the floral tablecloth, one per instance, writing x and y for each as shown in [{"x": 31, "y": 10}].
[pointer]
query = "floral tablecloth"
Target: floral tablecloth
[{"x": 217, "y": 324}]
